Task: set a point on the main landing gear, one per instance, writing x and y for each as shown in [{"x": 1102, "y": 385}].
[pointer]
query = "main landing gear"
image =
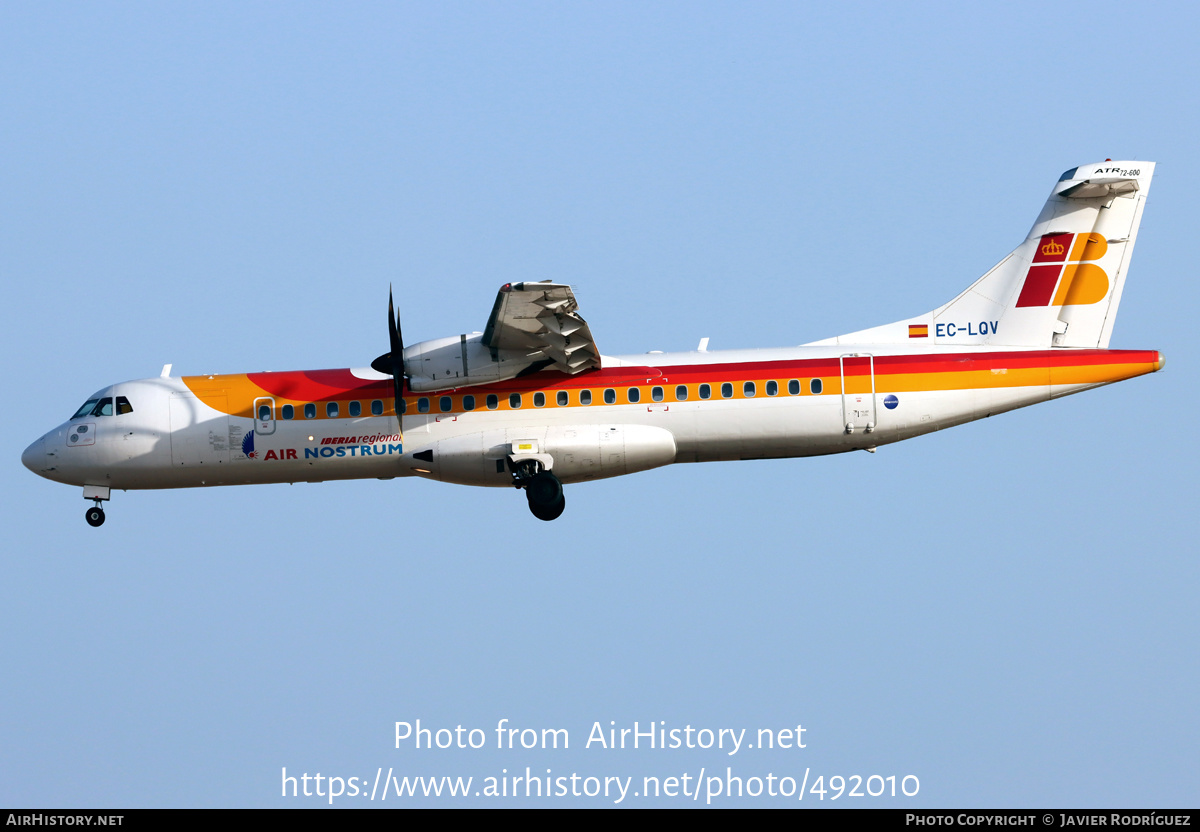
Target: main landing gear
[
  {"x": 543, "y": 490},
  {"x": 95, "y": 515},
  {"x": 545, "y": 495}
]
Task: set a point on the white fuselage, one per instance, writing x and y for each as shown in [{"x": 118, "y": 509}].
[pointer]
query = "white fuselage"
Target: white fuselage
[{"x": 793, "y": 402}]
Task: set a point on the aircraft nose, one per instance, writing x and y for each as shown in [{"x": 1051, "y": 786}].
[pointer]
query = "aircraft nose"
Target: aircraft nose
[{"x": 34, "y": 457}]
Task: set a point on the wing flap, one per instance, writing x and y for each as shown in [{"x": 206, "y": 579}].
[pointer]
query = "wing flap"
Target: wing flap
[{"x": 542, "y": 318}]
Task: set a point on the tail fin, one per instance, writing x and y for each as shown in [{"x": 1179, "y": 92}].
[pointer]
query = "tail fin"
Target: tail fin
[{"x": 1062, "y": 286}]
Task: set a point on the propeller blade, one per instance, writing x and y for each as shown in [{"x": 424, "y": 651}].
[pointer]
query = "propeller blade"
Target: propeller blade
[
  {"x": 396, "y": 342},
  {"x": 392, "y": 363}
]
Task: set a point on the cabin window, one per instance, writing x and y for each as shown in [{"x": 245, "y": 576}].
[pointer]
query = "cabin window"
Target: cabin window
[
  {"x": 585, "y": 396},
  {"x": 793, "y": 388},
  {"x": 401, "y": 405},
  {"x": 561, "y": 398},
  {"x": 514, "y": 400},
  {"x": 727, "y": 390},
  {"x": 444, "y": 404},
  {"x": 772, "y": 388},
  {"x": 493, "y": 401},
  {"x": 681, "y": 393},
  {"x": 123, "y": 406},
  {"x": 288, "y": 412},
  {"x": 310, "y": 411},
  {"x": 264, "y": 413},
  {"x": 468, "y": 402},
  {"x": 423, "y": 404},
  {"x": 539, "y": 399},
  {"x": 355, "y": 408},
  {"x": 656, "y": 393},
  {"x": 748, "y": 389},
  {"x": 331, "y": 410},
  {"x": 610, "y": 396},
  {"x": 705, "y": 391},
  {"x": 814, "y": 386},
  {"x": 635, "y": 395},
  {"x": 377, "y": 408}
]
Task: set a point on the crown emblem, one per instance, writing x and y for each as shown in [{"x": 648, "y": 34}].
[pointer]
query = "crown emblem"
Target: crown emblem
[{"x": 1053, "y": 248}]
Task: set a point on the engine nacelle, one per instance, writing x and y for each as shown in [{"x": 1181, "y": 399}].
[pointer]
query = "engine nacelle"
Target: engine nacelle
[
  {"x": 579, "y": 453},
  {"x": 458, "y": 361}
]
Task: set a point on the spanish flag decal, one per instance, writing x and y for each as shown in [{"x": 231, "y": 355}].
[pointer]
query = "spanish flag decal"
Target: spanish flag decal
[{"x": 918, "y": 330}]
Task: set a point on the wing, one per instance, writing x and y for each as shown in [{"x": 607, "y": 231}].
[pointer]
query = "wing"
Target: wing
[{"x": 542, "y": 318}]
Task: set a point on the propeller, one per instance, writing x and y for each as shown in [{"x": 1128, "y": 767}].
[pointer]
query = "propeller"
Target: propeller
[{"x": 392, "y": 363}]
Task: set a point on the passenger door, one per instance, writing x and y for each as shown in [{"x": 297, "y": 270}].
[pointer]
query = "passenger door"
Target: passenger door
[{"x": 858, "y": 392}]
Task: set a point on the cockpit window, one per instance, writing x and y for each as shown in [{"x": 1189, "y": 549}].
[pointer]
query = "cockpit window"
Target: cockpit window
[
  {"x": 86, "y": 410},
  {"x": 123, "y": 405},
  {"x": 100, "y": 407}
]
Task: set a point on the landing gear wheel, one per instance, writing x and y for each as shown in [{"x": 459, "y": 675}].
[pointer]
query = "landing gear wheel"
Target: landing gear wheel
[
  {"x": 543, "y": 489},
  {"x": 549, "y": 512},
  {"x": 545, "y": 495},
  {"x": 95, "y": 516}
]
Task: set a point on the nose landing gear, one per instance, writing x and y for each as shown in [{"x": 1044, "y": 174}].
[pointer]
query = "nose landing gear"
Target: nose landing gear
[
  {"x": 97, "y": 494},
  {"x": 95, "y": 515}
]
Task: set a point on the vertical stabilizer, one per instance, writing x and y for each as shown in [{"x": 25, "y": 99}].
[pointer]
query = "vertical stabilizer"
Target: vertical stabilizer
[{"x": 1059, "y": 288}]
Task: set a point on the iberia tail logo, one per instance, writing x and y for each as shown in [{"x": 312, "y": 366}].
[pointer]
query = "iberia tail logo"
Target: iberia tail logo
[
  {"x": 1052, "y": 248},
  {"x": 1059, "y": 276}
]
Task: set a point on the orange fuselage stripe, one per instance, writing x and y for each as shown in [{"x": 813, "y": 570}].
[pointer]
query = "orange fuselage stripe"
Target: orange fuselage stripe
[{"x": 236, "y": 394}]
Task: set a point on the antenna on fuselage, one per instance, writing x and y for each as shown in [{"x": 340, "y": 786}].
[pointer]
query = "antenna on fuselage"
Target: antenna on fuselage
[{"x": 392, "y": 363}]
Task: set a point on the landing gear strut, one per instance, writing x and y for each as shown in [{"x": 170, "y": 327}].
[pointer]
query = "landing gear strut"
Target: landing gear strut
[
  {"x": 95, "y": 515},
  {"x": 543, "y": 490}
]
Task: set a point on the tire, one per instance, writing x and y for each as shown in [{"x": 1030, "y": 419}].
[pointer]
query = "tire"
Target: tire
[
  {"x": 544, "y": 490},
  {"x": 95, "y": 516},
  {"x": 550, "y": 512}
]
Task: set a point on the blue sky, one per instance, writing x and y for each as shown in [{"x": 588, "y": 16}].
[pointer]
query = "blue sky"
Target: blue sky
[{"x": 233, "y": 187}]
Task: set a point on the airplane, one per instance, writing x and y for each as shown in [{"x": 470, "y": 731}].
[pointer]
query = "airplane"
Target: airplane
[{"x": 530, "y": 402}]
